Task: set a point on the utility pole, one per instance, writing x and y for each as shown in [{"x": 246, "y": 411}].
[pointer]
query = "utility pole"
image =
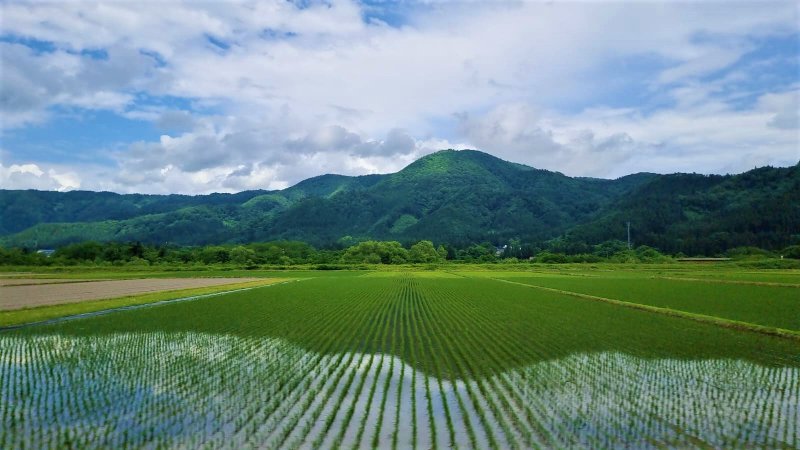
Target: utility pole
[{"x": 629, "y": 235}]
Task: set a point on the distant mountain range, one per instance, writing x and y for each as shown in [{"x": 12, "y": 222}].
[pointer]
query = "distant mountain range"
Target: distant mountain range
[{"x": 452, "y": 197}]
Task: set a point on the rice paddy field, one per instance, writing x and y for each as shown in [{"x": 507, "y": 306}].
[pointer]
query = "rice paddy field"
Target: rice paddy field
[{"x": 422, "y": 359}]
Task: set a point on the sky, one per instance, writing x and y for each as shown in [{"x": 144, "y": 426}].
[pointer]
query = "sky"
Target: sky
[{"x": 197, "y": 97}]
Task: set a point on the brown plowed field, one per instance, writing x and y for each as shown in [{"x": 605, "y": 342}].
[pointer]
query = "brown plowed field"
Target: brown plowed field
[{"x": 30, "y": 295}]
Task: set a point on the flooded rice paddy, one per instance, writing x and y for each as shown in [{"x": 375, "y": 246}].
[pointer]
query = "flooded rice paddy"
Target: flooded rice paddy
[{"x": 191, "y": 390}]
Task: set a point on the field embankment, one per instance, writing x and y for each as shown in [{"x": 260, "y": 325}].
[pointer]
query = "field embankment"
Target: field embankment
[{"x": 765, "y": 306}]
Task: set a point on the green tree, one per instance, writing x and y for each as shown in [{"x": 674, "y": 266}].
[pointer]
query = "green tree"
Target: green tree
[
  {"x": 242, "y": 256},
  {"x": 423, "y": 252},
  {"x": 214, "y": 254},
  {"x": 376, "y": 252}
]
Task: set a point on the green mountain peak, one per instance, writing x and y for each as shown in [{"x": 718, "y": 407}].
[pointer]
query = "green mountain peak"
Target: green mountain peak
[{"x": 450, "y": 196}]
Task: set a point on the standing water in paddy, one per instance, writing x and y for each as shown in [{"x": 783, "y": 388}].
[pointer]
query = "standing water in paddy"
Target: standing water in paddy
[
  {"x": 396, "y": 362},
  {"x": 193, "y": 389}
]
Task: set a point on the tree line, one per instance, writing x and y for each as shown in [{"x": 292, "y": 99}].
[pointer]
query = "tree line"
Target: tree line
[{"x": 291, "y": 253}]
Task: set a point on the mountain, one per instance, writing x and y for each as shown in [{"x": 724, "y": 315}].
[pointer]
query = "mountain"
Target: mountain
[
  {"x": 455, "y": 197},
  {"x": 458, "y": 197},
  {"x": 704, "y": 214}
]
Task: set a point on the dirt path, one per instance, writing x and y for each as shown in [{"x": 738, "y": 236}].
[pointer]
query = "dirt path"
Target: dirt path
[{"x": 30, "y": 295}]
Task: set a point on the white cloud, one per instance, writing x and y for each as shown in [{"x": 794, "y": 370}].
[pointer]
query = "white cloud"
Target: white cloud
[
  {"x": 706, "y": 137},
  {"x": 299, "y": 91},
  {"x": 31, "y": 176},
  {"x": 240, "y": 156},
  {"x": 786, "y": 109},
  {"x": 33, "y": 82}
]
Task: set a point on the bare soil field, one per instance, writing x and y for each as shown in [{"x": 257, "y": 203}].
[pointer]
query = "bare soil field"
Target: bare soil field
[
  {"x": 30, "y": 294},
  {"x": 28, "y": 281}
]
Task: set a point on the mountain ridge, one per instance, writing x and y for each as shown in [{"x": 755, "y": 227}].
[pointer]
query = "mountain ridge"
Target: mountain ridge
[{"x": 453, "y": 197}]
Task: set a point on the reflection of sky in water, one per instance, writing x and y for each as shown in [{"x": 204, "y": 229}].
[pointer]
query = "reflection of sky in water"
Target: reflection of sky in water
[{"x": 187, "y": 389}]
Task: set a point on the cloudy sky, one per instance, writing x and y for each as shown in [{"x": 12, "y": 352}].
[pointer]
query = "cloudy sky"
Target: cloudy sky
[{"x": 197, "y": 97}]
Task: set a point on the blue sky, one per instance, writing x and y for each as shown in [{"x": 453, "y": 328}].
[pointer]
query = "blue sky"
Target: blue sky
[{"x": 183, "y": 97}]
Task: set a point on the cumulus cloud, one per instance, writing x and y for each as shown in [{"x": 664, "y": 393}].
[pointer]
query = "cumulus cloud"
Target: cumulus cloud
[
  {"x": 31, "y": 176},
  {"x": 33, "y": 82},
  {"x": 263, "y": 94},
  {"x": 237, "y": 156},
  {"x": 336, "y": 138},
  {"x": 610, "y": 142},
  {"x": 519, "y": 133}
]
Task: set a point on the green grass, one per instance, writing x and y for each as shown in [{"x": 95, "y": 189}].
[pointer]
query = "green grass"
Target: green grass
[
  {"x": 769, "y": 306},
  {"x": 42, "y": 313}
]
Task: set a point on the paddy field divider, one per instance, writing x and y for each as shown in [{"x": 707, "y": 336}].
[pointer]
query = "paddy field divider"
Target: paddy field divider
[{"x": 726, "y": 323}]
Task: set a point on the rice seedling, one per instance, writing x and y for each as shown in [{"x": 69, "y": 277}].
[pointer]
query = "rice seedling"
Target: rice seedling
[{"x": 395, "y": 361}]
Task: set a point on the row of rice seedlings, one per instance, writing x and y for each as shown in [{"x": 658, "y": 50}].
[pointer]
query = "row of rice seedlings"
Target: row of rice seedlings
[
  {"x": 404, "y": 388},
  {"x": 372, "y": 409},
  {"x": 461, "y": 356},
  {"x": 422, "y": 330},
  {"x": 500, "y": 337},
  {"x": 377, "y": 330},
  {"x": 511, "y": 408},
  {"x": 374, "y": 414},
  {"x": 112, "y": 383},
  {"x": 288, "y": 430},
  {"x": 411, "y": 336},
  {"x": 311, "y": 426},
  {"x": 478, "y": 436},
  {"x": 329, "y": 440},
  {"x": 295, "y": 407},
  {"x": 217, "y": 391},
  {"x": 489, "y": 399},
  {"x": 522, "y": 416},
  {"x": 392, "y": 319},
  {"x": 664, "y": 391},
  {"x": 422, "y": 348},
  {"x": 140, "y": 376}
]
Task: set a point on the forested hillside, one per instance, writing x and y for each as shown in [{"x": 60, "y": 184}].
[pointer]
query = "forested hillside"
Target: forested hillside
[
  {"x": 697, "y": 214},
  {"x": 452, "y": 197}
]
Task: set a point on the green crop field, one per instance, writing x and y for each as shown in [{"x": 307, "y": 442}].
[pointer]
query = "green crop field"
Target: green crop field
[
  {"x": 751, "y": 302},
  {"x": 419, "y": 360}
]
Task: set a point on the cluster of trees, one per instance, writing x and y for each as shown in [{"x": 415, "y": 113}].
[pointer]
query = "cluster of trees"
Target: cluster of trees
[
  {"x": 392, "y": 252},
  {"x": 266, "y": 253},
  {"x": 287, "y": 253}
]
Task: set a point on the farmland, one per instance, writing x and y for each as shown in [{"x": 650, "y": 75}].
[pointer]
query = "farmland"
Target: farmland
[
  {"x": 417, "y": 359},
  {"x": 26, "y": 293},
  {"x": 762, "y": 303}
]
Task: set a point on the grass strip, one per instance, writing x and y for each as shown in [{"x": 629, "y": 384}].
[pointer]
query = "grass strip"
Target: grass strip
[
  {"x": 727, "y": 323},
  {"x": 43, "y": 313},
  {"x": 724, "y": 281}
]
